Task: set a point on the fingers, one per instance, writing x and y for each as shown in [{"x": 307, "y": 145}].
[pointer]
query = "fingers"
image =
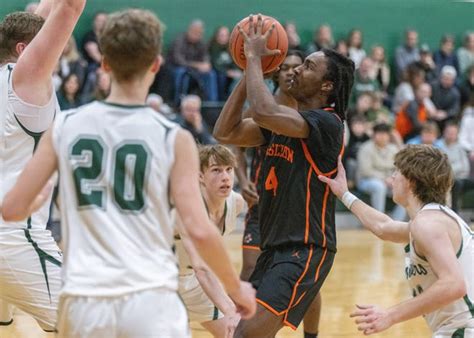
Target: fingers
[
  {"x": 259, "y": 24},
  {"x": 340, "y": 166},
  {"x": 269, "y": 32},
  {"x": 324, "y": 179},
  {"x": 251, "y": 26},
  {"x": 272, "y": 52},
  {"x": 241, "y": 31}
]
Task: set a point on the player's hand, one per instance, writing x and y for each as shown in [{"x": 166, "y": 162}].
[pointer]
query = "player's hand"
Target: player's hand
[
  {"x": 255, "y": 42},
  {"x": 338, "y": 184},
  {"x": 371, "y": 319},
  {"x": 249, "y": 193},
  {"x": 231, "y": 322},
  {"x": 244, "y": 299}
]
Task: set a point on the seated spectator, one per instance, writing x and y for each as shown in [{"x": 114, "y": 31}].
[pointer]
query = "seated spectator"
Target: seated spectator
[
  {"x": 466, "y": 134},
  {"x": 466, "y": 87},
  {"x": 357, "y": 136},
  {"x": 354, "y": 42},
  {"x": 101, "y": 88},
  {"x": 155, "y": 102},
  {"x": 222, "y": 62},
  {"x": 428, "y": 135},
  {"x": 190, "y": 57},
  {"x": 68, "y": 94},
  {"x": 459, "y": 161},
  {"x": 375, "y": 167},
  {"x": 322, "y": 38},
  {"x": 363, "y": 82},
  {"x": 407, "y": 53},
  {"x": 427, "y": 64},
  {"x": 410, "y": 120},
  {"x": 446, "y": 97},
  {"x": 190, "y": 118},
  {"x": 72, "y": 62},
  {"x": 405, "y": 91},
  {"x": 341, "y": 47},
  {"x": 294, "y": 40},
  {"x": 381, "y": 70},
  {"x": 378, "y": 113},
  {"x": 466, "y": 54},
  {"x": 445, "y": 55}
]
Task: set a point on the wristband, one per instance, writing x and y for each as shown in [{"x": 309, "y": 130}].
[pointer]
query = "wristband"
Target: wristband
[{"x": 348, "y": 199}]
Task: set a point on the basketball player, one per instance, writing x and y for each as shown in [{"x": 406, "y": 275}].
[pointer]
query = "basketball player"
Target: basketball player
[
  {"x": 440, "y": 251},
  {"x": 251, "y": 189},
  {"x": 296, "y": 210},
  {"x": 30, "y": 48},
  {"x": 203, "y": 296},
  {"x": 122, "y": 168}
]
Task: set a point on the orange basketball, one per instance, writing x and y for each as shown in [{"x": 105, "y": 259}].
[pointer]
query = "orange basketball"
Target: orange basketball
[{"x": 277, "y": 40}]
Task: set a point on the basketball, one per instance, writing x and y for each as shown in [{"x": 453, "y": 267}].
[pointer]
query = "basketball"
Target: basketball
[{"x": 277, "y": 40}]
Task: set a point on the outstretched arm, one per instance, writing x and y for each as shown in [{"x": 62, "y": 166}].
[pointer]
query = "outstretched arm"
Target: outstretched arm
[
  {"x": 377, "y": 222},
  {"x": 32, "y": 74}
]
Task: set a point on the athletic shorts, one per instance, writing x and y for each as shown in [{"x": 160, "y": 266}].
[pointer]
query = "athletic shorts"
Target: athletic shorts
[
  {"x": 153, "y": 313},
  {"x": 251, "y": 238},
  {"x": 288, "y": 278},
  {"x": 458, "y": 333},
  {"x": 198, "y": 305},
  {"x": 30, "y": 274}
]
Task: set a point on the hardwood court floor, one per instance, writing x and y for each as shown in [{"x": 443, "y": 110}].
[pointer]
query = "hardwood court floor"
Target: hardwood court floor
[{"x": 365, "y": 271}]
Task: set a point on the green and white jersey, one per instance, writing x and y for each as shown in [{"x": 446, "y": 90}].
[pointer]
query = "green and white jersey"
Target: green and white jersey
[
  {"x": 459, "y": 314},
  {"x": 114, "y": 167},
  {"x": 21, "y": 126}
]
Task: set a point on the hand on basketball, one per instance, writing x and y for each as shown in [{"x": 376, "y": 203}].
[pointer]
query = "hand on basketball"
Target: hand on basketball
[
  {"x": 255, "y": 41},
  {"x": 338, "y": 184},
  {"x": 244, "y": 299},
  {"x": 371, "y": 319}
]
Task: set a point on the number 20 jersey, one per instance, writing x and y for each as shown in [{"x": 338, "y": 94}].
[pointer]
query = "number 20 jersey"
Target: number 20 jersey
[
  {"x": 114, "y": 166},
  {"x": 295, "y": 207}
]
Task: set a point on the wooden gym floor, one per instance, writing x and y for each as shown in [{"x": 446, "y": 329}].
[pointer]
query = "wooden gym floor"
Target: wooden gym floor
[{"x": 365, "y": 271}]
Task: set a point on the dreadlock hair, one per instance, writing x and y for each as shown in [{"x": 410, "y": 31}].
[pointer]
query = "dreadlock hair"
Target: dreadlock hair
[
  {"x": 341, "y": 73},
  {"x": 291, "y": 52}
]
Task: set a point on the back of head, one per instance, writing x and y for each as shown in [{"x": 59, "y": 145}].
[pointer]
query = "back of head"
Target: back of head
[
  {"x": 130, "y": 42},
  {"x": 428, "y": 171},
  {"x": 17, "y": 27},
  {"x": 341, "y": 73},
  {"x": 217, "y": 154}
]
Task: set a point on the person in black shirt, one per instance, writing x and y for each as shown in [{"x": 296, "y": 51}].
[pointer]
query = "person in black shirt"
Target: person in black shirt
[{"x": 296, "y": 210}]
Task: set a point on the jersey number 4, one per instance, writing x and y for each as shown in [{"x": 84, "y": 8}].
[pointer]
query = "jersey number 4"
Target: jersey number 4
[
  {"x": 129, "y": 169},
  {"x": 271, "y": 182}
]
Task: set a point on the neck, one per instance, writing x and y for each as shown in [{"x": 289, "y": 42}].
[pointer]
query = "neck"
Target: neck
[
  {"x": 413, "y": 206},
  {"x": 215, "y": 205},
  {"x": 129, "y": 93},
  {"x": 315, "y": 102},
  {"x": 285, "y": 99}
]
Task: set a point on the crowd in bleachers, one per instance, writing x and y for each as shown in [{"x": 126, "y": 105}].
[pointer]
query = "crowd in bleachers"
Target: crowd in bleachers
[{"x": 426, "y": 96}]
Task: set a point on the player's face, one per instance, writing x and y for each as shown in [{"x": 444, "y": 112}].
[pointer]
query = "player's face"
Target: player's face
[
  {"x": 287, "y": 70},
  {"x": 307, "y": 80},
  {"x": 218, "y": 180},
  {"x": 401, "y": 188}
]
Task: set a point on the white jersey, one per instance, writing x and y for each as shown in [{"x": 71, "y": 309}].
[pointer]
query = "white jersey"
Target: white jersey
[
  {"x": 230, "y": 221},
  {"x": 459, "y": 314},
  {"x": 114, "y": 165},
  {"x": 21, "y": 126}
]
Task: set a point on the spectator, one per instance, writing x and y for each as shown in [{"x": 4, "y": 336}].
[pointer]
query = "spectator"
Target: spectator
[
  {"x": 407, "y": 53},
  {"x": 362, "y": 107},
  {"x": 90, "y": 45},
  {"x": 375, "y": 167},
  {"x": 405, "y": 91},
  {"x": 294, "y": 41},
  {"x": 322, "y": 38},
  {"x": 341, "y": 47},
  {"x": 222, "y": 62},
  {"x": 446, "y": 97},
  {"x": 410, "y": 120},
  {"x": 466, "y": 53},
  {"x": 459, "y": 161},
  {"x": 381, "y": 70},
  {"x": 428, "y": 135},
  {"x": 357, "y": 136},
  {"x": 71, "y": 62},
  {"x": 155, "y": 101},
  {"x": 363, "y": 82},
  {"x": 190, "y": 119},
  {"x": 427, "y": 64},
  {"x": 354, "y": 42},
  {"x": 445, "y": 55},
  {"x": 101, "y": 88},
  {"x": 68, "y": 94},
  {"x": 466, "y": 135},
  {"x": 466, "y": 87},
  {"x": 190, "y": 57}
]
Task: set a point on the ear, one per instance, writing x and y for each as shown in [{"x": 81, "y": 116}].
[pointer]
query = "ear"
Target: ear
[
  {"x": 327, "y": 86},
  {"x": 105, "y": 66},
  {"x": 201, "y": 177},
  {"x": 155, "y": 67},
  {"x": 20, "y": 48}
]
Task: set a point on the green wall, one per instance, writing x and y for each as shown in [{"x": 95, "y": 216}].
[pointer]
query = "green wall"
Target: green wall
[{"x": 382, "y": 21}]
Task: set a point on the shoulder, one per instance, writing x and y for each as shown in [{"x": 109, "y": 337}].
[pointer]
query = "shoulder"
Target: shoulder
[
  {"x": 323, "y": 117},
  {"x": 430, "y": 223}
]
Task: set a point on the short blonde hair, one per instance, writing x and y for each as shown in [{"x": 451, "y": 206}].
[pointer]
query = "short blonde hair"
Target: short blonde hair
[{"x": 220, "y": 154}]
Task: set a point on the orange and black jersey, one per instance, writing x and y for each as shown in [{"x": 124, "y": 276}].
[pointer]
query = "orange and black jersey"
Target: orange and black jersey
[
  {"x": 258, "y": 153},
  {"x": 295, "y": 207}
]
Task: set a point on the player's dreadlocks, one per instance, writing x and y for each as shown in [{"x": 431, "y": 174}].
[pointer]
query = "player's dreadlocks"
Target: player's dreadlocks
[{"x": 341, "y": 73}]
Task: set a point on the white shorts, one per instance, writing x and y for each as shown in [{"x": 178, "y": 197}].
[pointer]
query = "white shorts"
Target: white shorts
[
  {"x": 460, "y": 333},
  {"x": 30, "y": 274},
  {"x": 153, "y": 313},
  {"x": 200, "y": 308}
]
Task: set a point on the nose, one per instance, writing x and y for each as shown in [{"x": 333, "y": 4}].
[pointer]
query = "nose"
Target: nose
[{"x": 297, "y": 70}]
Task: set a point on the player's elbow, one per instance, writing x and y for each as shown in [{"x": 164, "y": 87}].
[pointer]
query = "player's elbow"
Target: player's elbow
[
  {"x": 12, "y": 211},
  {"x": 457, "y": 289}
]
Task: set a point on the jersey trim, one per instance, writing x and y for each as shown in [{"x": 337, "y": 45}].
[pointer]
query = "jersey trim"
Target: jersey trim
[
  {"x": 251, "y": 247},
  {"x": 469, "y": 305},
  {"x": 308, "y": 200},
  {"x": 36, "y": 136},
  {"x": 215, "y": 315},
  {"x": 6, "y": 323},
  {"x": 126, "y": 106}
]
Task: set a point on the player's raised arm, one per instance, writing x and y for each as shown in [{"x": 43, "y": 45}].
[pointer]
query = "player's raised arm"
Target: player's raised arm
[
  {"x": 377, "y": 222},
  {"x": 32, "y": 74},
  {"x": 186, "y": 193}
]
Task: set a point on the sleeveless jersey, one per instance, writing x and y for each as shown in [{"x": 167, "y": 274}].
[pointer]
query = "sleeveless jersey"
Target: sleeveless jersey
[
  {"x": 459, "y": 314},
  {"x": 21, "y": 126},
  {"x": 114, "y": 165}
]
